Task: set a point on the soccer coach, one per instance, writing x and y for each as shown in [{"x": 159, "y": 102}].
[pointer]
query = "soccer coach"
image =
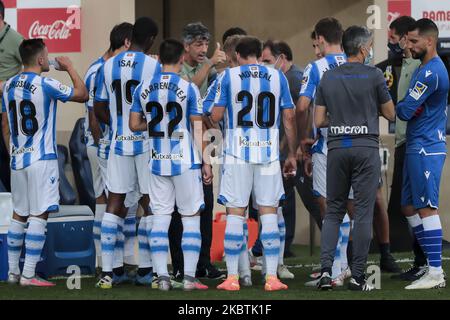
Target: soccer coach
[{"x": 349, "y": 101}]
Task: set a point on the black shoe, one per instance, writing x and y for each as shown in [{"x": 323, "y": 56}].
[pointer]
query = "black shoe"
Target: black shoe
[
  {"x": 354, "y": 285},
  {"x": 412, "y": 274},
  {"x": 289, "y": 254},
  {"x": 215, "y": 274},
  {"x": 325, "y": 282},
  {"x": 201, "y": 274},
  {"x": 388, "y": 264}
]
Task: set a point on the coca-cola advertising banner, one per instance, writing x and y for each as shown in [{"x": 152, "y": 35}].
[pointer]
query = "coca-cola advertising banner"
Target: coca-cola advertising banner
[
  {"x": 58, "y": 22},
  {"x": 436, "y": 10}
]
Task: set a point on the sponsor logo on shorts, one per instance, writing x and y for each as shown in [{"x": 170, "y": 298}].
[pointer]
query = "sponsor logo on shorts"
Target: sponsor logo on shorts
[
  {"x": 167, "y": 156},
  {"x": 244, "y": 142},
  {"x": 52, "y": 180},
  {"x": 418, "y": 90},
  {"x": 356, "y": 130}
]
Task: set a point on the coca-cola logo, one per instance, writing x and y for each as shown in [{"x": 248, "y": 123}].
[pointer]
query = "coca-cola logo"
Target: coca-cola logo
[{"x": 59, "y": 30}]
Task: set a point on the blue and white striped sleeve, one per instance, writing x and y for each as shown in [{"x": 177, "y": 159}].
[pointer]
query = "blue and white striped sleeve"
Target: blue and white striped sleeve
[
  {"x": 57, "y": 90},
  {"x": 101, "y": 94},
  {"x": 286, "y": 101}
]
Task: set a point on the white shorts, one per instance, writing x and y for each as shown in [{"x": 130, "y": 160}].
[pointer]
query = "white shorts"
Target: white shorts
[
  {"x": 319, "y": 162},
  {"x": 185, "y": 191},
  {"x": 35, "y": 190},
  {"x": 132, "y": 198},
  {"x": 240, "y": 179},
  {"x": 98, "y": 169},
  {"x": 125, "y": 172}
]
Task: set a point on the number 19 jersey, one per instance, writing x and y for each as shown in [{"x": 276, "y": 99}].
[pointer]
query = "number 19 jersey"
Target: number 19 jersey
[
  {"x": 168, "y": 102},
  {"x": 30, "y": 102},
  {"x": 116, "y": 82},
  {"x": 254, "y": 97}
]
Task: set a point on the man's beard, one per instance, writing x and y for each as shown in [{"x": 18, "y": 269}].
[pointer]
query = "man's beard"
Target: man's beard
[{"x": 419, "y": 55}]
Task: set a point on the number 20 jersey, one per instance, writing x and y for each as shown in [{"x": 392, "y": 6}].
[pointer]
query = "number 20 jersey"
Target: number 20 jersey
[
  {"x": 254, "y": 97},
  {"x": 30, "y": 102},
  {"x": 116, "y": 82}
]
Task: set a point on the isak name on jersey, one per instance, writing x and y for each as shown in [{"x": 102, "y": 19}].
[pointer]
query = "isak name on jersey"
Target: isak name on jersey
[{"x": 128, "y": 63}]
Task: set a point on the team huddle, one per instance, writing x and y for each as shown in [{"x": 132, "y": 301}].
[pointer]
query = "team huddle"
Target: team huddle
[{"x": 148, "y": 138}]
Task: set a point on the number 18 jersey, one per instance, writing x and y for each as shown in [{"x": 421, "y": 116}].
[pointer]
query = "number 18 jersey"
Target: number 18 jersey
[
  {"x": 30, "y": 103},
  {"x": 254, "y": 97},
  {"x": 116, "y": 82}
]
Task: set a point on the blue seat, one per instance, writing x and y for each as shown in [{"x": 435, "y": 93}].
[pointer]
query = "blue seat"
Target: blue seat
[
  {"x": 69, "y": 242},
  {"x": 81, "y": 166},
  {"x": 66, "y": 192}
]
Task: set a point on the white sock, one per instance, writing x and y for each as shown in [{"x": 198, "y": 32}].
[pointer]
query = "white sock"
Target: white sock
[
  {"x": 148, "y": 228},
  {"x": 270, "y": 238},
  {"x": 345, "y": 229},
  {"x": 159, "y": 244},
  {"x": 144, "y": 244},
  {"x": 282, "y": 228},
  {"x": 34, "y": 242},
  {"x": 16, "y": 237},
  {"x": 433, "y": 243},
  {"x": 336, "y": 269},
  {"x": 109, "y": 236},
  {"x": 234, "y": 239},
  {"x": 244, "y": 260},
  {"x": 129, "y": 230},
  {"x": 99, "y": 213},
  {"x": 191, "y": 244},
  {"x": 118, "y": 249}
]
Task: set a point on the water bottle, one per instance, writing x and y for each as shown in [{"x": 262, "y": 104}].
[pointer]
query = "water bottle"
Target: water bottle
[{"x": 54, "y": 63}]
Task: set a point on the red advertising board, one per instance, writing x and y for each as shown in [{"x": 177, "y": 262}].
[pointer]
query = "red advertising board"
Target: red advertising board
[
  {"x": 58, "y": 22},
  {"x": 53, "y": 26}
]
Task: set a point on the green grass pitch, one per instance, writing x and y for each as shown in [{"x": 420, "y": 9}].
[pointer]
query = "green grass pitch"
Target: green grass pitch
[{"x": 301, "y": 267}]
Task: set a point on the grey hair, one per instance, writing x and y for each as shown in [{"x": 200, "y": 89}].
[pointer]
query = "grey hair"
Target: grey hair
[
  {"x": 195, "y": 31},
  {"x": 355, "y": 37}
]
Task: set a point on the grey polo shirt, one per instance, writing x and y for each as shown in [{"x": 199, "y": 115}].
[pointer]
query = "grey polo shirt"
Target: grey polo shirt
[{"x": 353, "y": 94}]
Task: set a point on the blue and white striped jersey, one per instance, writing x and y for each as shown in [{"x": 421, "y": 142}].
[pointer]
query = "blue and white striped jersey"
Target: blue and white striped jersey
[
  {"x": 168, "y": 102},
  {"x": 311, "y": 80},
  {"x": 116, "y": 81},
  {"x": 105, "y": 139},
  {"x": 254, "y": 97},
  {"x": 30, "y": 102}
]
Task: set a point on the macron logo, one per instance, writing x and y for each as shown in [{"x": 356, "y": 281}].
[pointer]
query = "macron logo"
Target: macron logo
[
  {"x": 428, "y": 73},
  {"x": 427, "y": 174},
  {"x": 357, "y": 130}
]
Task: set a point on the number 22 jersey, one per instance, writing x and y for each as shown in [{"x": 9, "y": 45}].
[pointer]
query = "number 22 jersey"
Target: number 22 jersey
[{"x": 30, "y": 102}]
